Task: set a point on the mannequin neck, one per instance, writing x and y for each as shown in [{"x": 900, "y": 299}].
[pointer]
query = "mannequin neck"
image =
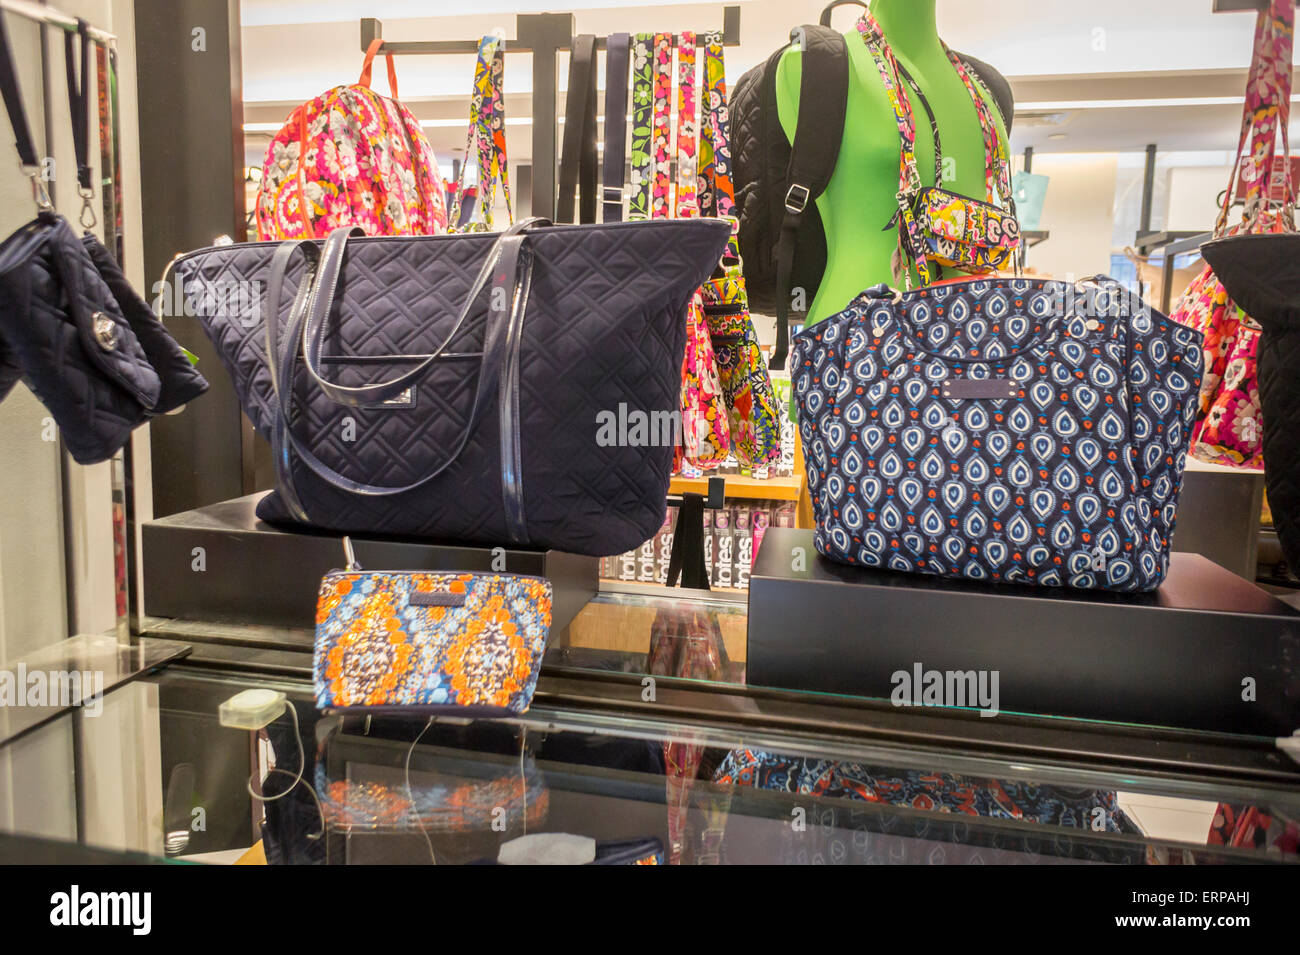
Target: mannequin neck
[{"x": 909, "y": 26}]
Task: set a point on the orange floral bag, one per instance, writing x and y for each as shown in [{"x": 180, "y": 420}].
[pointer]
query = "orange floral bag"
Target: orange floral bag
[{"x": 468, "y": 644}]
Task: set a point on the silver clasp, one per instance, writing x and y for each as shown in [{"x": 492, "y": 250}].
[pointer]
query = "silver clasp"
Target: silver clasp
[{"x": 349, "y": 554}]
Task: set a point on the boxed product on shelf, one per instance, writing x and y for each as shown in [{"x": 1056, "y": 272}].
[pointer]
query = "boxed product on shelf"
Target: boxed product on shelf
[
  {"x": 645, "y": 560},
  {"x": 664, "y": 546},
  {"x": 723, "y": 548},
  {"x": 743, "y": 548},
  {"x": 627, "y": 566},
  {"x": 710, "y": 545},
  {"x": 761, "y": 519}
]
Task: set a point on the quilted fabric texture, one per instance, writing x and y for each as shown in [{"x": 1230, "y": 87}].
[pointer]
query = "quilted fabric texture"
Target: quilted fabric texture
[
  {"x": 604, "y": 328},
  {"x": 180, "y": 381},
  {"x": 63, "y": 326},
  {"x": 1008, "y": 430},
  {"x": 1261, "y": 273},
  {"x": 469, "y": 644}
]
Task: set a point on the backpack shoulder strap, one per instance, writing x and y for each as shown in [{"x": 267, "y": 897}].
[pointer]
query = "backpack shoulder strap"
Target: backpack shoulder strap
[{"x": 823, "y": 98}]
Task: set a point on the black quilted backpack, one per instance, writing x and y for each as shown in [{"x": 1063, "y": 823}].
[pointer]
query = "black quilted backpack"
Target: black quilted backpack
[{"x": 782, "y": 241}]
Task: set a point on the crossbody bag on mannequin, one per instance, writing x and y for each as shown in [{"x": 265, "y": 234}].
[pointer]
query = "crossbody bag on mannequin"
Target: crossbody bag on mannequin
[{"x": 936, "y": 226}]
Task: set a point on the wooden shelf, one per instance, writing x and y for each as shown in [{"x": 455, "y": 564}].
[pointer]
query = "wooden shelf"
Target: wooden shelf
[{"x": 740, "y": 487}]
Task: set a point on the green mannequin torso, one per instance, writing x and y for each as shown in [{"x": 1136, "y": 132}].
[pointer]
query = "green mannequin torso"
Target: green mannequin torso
[{"x": 861, "y": 197}]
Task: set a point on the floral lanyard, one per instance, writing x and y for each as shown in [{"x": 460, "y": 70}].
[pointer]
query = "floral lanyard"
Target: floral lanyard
[
  {"x": 487, "y": 126},
  {"x": 997, "y": 168},
  {"x": 717, "y": 196},
  {"x": 652, "y": 87},
  {"x": 686, "y": 203}
]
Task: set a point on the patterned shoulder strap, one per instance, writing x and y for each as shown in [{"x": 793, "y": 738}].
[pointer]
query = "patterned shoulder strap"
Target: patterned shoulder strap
[
  {"x": 909, "y": 177},
  {"x": 485, "y": 143},
  {"x": 997, "y": 165},
  {"x": 686, "y": 206},
  {"x": 718, "y": 195},
  {"x": 643, "y": 102},
  {"x": 1267, "y": 106},
  {"x": 496, "y": 121},
  {"x": 662, "y": 131}
]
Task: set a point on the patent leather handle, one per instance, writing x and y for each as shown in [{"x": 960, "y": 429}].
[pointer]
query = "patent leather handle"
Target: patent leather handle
[
  {"x": 321, "y": 303},
  {"x": 508, "y": 266}
]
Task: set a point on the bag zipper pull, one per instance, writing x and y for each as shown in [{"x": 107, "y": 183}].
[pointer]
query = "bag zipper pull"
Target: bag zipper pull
[{"x": 1098, "y": 559}]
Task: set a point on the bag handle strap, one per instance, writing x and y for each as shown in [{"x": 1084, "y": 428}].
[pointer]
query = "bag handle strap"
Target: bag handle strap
[
  {"x": 578, "y": 155},
  {"x": 507, "y": 267},
  {"x": 79, "y": 103},
  {"x": 28, "y": 161},
  {"x": 825, "y": 19},
  {"x": 364, "y": 80},
  {"x": 617, "y": 59},
  {"x": 1266, "y": 106}
]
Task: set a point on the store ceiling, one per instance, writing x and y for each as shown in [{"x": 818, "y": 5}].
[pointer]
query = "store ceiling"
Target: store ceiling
[{"x": 1110, "y": 75}]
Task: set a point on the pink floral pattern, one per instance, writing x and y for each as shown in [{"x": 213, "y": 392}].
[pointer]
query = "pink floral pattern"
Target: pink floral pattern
[
  {"x": 686, "y": 205},
  {"x": 660, "y": 141},
  {"x": 1228, "y": 429},
  {"x": 350, "y": 157}
]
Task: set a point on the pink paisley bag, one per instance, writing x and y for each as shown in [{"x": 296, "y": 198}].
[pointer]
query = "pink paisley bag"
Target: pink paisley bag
[
  {"x": 351, "y": 157},
  {"x": 1228, "y": 428}
]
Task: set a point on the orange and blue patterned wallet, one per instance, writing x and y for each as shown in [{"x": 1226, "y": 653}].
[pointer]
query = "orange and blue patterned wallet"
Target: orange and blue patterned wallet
[{"x": 468, "y": 644}]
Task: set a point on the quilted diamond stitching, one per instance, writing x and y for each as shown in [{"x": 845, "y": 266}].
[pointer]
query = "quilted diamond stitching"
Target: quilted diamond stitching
[{"x": 605, "y": 325}]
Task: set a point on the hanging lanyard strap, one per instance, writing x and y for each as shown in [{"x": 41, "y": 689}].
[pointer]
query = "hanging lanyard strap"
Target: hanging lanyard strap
[
  {"x": 485, "y": 142},
  {"x": 79, "y": 102},
  {"x": 106, "y": 142},
  {"x": 661, "y": 133},
  {"x": 643, "y": 99},
  {"x": 495, "y": 109},
  {"x": 715, "y": 151},
  {"x": 686, "y": 206},
  {"x": 119, "y": 236}
]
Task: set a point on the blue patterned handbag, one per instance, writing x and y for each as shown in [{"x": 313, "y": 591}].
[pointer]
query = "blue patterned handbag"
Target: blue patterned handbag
[{"x": 1017, "y": 430}]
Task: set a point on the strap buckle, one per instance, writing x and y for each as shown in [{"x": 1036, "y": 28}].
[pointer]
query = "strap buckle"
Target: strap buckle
[
  {"x": 611, "y": 195},
  {"x": 796, "y": 198}
]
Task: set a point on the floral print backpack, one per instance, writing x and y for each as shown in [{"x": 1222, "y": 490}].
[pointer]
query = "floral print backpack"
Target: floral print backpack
[{"x": 351, "y": 157}]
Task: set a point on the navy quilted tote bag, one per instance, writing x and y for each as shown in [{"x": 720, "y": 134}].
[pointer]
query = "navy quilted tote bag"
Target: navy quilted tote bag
[
  {"x": 1017, "y": 430},
  {"x": 454, "y": 386}
]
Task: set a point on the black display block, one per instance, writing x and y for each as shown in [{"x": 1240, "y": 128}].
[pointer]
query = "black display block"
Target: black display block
[
  {"x": 1182, "y": 656},
  {"x": 256, "y": 573}
]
